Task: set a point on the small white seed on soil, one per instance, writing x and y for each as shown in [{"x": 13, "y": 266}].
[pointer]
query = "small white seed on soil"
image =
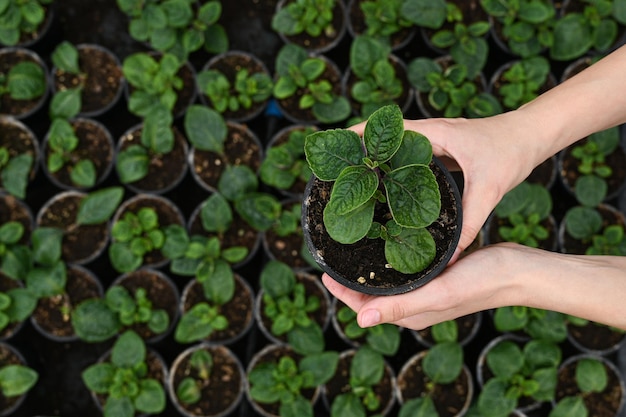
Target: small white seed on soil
[
  {"x": 388, "y": 266},
  {"x": 372, "y": 275},
  {"x": 361, "y": 280}
]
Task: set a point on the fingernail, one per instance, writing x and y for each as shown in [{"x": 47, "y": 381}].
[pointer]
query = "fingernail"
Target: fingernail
[{"x": 370, "y": 318}]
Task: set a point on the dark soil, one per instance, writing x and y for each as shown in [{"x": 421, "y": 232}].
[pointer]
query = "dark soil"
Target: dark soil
[
  {"x": 53, "y": 314},
  {"x": 595, "y": 337},
  {"x": 164, "y": 170},
  {"x": 449, "y": 399},
  {"x": 95, "y": 144},
  {"x": 239, "y": 310},
  {"x": 101, "y": 81},
  {"x": 80, "y": 243},
  {"x": 223, "y": 387},
  {"x": 360, "y": 259},
  {"x": 241, "y": 147}
]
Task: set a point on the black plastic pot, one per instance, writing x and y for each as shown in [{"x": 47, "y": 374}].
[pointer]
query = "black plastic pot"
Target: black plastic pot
[{"x": 447, "y": 229}]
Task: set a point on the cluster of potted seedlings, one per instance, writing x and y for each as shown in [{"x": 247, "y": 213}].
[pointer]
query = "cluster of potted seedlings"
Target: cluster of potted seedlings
[{"x": 187, "y": 244}]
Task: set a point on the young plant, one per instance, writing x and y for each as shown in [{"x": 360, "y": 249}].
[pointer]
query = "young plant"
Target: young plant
[
  {"x": 527, "y": 25},
  {"x": 67, "y": 103},
  {"x": 285, "y": 163},
  {"x": 240, "y": 93},
  {"x": 24, "y": 81},
  {"x": 383, "y": 338},
  {"x": 313, "y": 17},
  {"x": 290, "y": 308},
  {"x": 14, "y": 256},
  {"x": 537, "y": 323},
  {"x": 387, "y": 166},
  {"x": 302, "y": 76},
  {"x": 283, "y": 381},
  {"x": 450, "y": 91},
  {"x": 63, "y": 144},
  {"x": 178, "y": 27},
  {"x": 377, "y": 84},
  {"x": 19, "y": 17},
  {"x": 384, "y": 18},
  {"x": 16, "y": 380},
  {"x": 525, "y": 208},
  {"x": 591, "y": 377},
  {"x": 442, "y": 364},
  {"x": 125, "y": 381},
  {"x": 528, "y": 372},
  {"x": 189, "y": 390},
  {"x": 522, "y": 82},
  {"x": 366, "y": 371},
  {"x": 595, "y": 28},
  {"x": 591, "y": 187},
  {"x": 466, "y": 43},
  {"x": 16, "y": 305},
  {"x": 154, "y": 82},
  {"x": 137, "y": 233},
  {"x": 134, "y": 309},
  {"x": 211, "y": 265},
  {"x": 586, "y": 224},
  {"x": 15, "y": 172}
]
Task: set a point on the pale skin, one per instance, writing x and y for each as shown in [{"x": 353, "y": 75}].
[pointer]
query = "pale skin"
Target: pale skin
[{"x": 495, "y": 154}]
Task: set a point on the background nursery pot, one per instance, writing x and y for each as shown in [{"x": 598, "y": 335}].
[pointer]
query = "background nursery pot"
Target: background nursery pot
[{"x": 367, "y": 268}]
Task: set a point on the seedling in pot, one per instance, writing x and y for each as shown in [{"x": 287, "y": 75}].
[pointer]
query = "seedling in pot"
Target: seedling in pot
[
  {"x": 21, "y": 18},
  {"x": 189, "y": 389},
  {"x": 442, "y": 364},
  {"x": 14, "y": 256},
  {"x": 15, "y": 172},
  {"x": 525, "y": 207},
  {"x": 529, "y": 372},
  {"x": 176, "y": 27},
  {"x": 367, "y": 369},
  {"x": 378, "y": 84},
  {"x": 124, "y": 380},
  {"x": 522, "y": 82},
  {"x": 283, "y": 381},
  {"x": 284, "y": 164},
  {"x": 298, "y": 73},
  {"x": 384, "y": 18},
  {"x": 383, "y": 338},
  {"x": 136, "y": 234},
  {"x": 591, "y": 377},
  {"x": 67, "y": 103},
  {"x": 16, "y": 305},
  {"x": 245, "y": 90},
  {"x": 387, "y": 166},
  {"x": 134, "y": 309},
  {"x": 527, "y": 25},
  {"x": 290, "y": 308},
  {"x": 212, "y": 266},
  {"x": 467, "y": 43},
  {"x": 24, "y": 81},
  {"x": 537, "y": 323},
  {"x": 450, "y": 91},
  {"x": 314, "y": 17}
]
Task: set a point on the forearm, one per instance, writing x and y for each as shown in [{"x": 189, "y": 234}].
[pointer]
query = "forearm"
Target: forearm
[
  {"x": 591, "y": 101},
  {"x": 590, "y": 287}
]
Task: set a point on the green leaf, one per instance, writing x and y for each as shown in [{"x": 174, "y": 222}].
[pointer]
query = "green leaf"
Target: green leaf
[
  {"x": 47, "y": 245},
  {"x": 26, "y": 81},
  {"x": 83, "y": 174},
  {"x": 590, "y": 190},
  {"x": 16, "y": 380},
  {"x": 591, "y": 375},
  {"x": 205, "y": 129},
  {"x": 94, "y": 322},
  {"x": 132, "y": 164},
  {"x": 277, "y": 279},
  {"x": 329, "y": 152},
  {"x": 15, "y": 175},
  {"x": 413, "y": 195},
  {"x": 572, "y": 38},
  {"x": 418, "y": 407},
  {"x": 367, "y": 366},
  {"x": 151, "y": 398},
  {"x": 354, "y": 187},
  {"x": 411, "y": 251},
  {"x": 47, "y": 281},
  {"x": 119, "y": 407},
  {"x": 505, "y": 359},
  {"x": 321, "y": 365},
  {"x": 128, "y": 351},
  {"x": 66, "y": 104},
  {"x": 65, "y": 58},
  {"x": 23, "y": 303},
  {"x": 582, "y": 222},
  {"x": 414, "y": 149},
  {"x": 444, "y": 362},
  {"x": 348, "y": 405},
  {"x": 383, "y": 133},
  {"x": 427, "y": 13},
  {"x": 220, "y": 287},
  {"x": 99, "y": 377},
  {"x": 98, "y": 206},
  {"x": 306, "y": 340},
  {"x": 216, "y": 214},
  {"x": 570, "y": 407},
  {"x": 350, "y": 227}
]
